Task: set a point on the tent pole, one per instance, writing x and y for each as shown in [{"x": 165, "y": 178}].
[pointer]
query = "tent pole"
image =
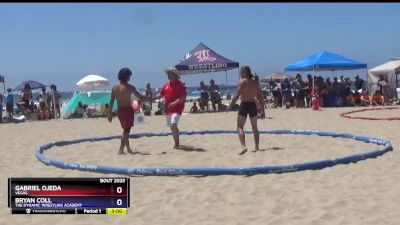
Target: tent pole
[{"x": 226, "y": 79}]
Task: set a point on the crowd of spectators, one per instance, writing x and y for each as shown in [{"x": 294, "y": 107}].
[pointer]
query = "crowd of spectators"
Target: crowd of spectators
[{"x": 340, "y": 92}]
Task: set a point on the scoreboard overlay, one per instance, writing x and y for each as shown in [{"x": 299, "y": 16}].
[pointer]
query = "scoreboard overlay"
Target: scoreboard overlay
[{"x": 68, "y": 195}]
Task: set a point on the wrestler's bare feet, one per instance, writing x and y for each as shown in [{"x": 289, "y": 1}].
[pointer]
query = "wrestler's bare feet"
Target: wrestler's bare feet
[
  {"x": 176, "y": 147},
  {"x": 121, "y": 153},
  {"x": 244, "y": 150},
  {"x": 256, "y": 149}
]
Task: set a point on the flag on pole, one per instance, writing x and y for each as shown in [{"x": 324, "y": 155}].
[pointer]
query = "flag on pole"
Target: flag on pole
[{"x": 1, "y": 79}]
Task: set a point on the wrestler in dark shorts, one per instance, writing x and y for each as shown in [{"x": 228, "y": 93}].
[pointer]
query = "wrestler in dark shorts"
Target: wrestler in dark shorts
[{"x": 249, "y": 108}]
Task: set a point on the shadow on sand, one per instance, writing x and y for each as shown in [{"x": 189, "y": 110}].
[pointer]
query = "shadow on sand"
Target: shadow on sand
[
  {"x": 190, "y": 149},
  {"x": 272, "y": 148}
]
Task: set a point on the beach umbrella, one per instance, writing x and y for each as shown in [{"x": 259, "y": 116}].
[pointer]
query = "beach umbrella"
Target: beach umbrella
[
  {"x": 92, "y": 82},
  {"x": 33, "y": 84},
  {"x": 276, "y": 76}
]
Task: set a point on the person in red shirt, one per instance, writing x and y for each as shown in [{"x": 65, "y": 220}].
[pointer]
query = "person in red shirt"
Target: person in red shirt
[{"x": 175, "y": 93}]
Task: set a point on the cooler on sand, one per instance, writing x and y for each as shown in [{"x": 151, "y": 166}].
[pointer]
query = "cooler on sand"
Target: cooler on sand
[{"x": 315, "y": 101}]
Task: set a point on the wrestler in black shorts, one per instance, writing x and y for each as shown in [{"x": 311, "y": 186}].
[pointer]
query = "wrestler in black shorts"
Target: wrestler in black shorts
[{"x": 248, "y": 108}]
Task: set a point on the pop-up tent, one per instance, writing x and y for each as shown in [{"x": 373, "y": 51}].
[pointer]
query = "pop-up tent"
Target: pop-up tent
[
  {"x": 390, "y": 71},
  {"x": 88, "y": 98},
  {"x": 203, "y": 59},
  {"x": 325, "y": 60}
]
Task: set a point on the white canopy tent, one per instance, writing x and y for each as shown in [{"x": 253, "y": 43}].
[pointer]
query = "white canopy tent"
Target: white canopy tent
[
  {"x": 388, "y": 70},
  {"x": 92, "y": 82}
]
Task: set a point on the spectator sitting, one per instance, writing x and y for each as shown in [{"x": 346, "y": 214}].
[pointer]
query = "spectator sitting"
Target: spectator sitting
[
  {"x": 378, "y": 99},
  {"x": 44, "y": 111},
  {"x": 365, "y": 98},
  {"x": 89, "y": 112},
  {"x": 160, "y": 109},
  {"x": 350, "y": 99},
  {"x": 194, "y": 108},
  {"x": 79, "y": 111},
  {"x": 106, "y": 108}
]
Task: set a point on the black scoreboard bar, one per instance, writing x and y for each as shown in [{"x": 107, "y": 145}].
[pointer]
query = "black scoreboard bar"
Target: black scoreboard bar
[{"x": 68, "y": 195}]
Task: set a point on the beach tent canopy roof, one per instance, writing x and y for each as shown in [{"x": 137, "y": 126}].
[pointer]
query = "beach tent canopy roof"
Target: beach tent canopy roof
[
  {"x": 203, "y": 59},
  {"x": 388, "y": 66},
  {"x": 326, "y": 61},
  {"x": 33, "y": 84},
  {"x": 92, "y": 82}
]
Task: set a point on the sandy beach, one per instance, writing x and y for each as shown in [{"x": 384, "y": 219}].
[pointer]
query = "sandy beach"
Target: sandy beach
[{"x": 365, "y": 193}]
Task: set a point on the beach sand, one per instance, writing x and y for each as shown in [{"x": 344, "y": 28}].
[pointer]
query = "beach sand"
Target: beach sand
[{"x": 365, "y": 193}]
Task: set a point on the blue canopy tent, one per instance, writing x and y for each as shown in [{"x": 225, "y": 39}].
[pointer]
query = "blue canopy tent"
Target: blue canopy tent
[
  {"x": 203, "y": 59},
  {"x": 325, "y": 60}
]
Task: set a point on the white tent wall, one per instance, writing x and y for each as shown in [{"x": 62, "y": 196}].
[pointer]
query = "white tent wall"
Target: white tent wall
[{"x": 388, "y": 71}]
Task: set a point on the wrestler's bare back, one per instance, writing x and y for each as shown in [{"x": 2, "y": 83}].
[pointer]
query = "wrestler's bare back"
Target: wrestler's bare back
[
  {"x": 122, "y": 93},
  {"x": 248, "y": 90}
]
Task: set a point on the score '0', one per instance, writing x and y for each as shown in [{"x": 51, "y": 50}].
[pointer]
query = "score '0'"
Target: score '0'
[{"x": 119, "y": 190}]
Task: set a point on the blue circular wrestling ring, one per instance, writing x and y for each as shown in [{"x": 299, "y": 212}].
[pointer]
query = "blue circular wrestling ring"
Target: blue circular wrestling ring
[{"x": 216, "y": 171}]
